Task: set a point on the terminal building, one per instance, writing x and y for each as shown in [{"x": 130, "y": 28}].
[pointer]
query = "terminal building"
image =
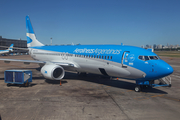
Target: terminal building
[{"x": 17, "y": 43}]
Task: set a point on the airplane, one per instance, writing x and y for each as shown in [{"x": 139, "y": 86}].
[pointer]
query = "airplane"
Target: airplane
[
  {"x": 120, "y": 61},
  {"x": 10, "y": 49}
]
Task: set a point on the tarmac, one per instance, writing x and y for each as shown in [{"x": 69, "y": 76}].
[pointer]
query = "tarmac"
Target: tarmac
[{"x": 90, "y": 97}]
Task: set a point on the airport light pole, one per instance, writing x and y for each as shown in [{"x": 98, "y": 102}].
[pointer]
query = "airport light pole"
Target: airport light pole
[{"x": 51, "y": 41}]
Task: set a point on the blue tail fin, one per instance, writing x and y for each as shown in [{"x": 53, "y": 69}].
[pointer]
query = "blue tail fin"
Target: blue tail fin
[
  {"x": 11, "y": 47},
  {"x": 31, "y": 38}
]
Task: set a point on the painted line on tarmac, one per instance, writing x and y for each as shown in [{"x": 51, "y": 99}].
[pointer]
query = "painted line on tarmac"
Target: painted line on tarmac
[
  {"x": 121, "y": 92},
  {"x": 107, "y": 87},
  {"x": 175, "y": 65},
  {"x": 129, "y": 90},
  {"x": 158, "y": 95},
  {"x": 141, "y": 98},
  {"x": 169, "y": 98},
  {"x": 146, "y": 98},
  {"x": 154, "y": 96},
  {"x": 176, "y": 76}
]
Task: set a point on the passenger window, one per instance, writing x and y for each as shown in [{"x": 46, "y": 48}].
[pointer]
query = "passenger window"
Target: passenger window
[
  {"x": 111, "y": 57},
  {"x": 104, "y": 57},
  {"x": 107, "y": 57}
]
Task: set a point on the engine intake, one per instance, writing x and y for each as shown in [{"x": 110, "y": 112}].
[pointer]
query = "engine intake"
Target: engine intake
[{"x": 53, "y": 72}]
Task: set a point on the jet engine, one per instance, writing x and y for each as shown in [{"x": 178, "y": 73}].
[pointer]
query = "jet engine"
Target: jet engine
[{"x": 53, "y": 72}]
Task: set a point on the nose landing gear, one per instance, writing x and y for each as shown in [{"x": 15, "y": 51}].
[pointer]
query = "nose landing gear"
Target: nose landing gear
[
  {"x": 163, "y": 82},
  {"x": 137, "y": 88},
  {"x": 142, "y": 84}
]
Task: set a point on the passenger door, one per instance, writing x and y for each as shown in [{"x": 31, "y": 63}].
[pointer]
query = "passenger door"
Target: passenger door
[{"x": 124, "y": 60}]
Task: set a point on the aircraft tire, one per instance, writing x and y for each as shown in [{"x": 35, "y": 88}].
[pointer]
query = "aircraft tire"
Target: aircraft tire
[{"x": 137, "y": 89}]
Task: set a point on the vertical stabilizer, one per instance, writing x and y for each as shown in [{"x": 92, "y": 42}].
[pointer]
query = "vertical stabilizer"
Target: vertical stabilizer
[
  {"x": 11, "y": 47},
  {"x": 31, "y": 38}
]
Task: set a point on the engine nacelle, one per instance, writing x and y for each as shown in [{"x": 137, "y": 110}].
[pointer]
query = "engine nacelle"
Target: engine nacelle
[{"x": 53, "y": 72}]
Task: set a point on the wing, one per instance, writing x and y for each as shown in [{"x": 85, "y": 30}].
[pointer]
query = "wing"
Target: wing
[{"x": 38, "y": 62}]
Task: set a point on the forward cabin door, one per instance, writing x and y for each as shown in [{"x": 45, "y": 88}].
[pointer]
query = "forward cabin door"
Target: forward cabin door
[{"x": 124, "y": 59}]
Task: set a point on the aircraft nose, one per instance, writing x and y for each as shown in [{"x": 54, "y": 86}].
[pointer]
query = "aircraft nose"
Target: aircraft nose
[
  {"x": 166, "y": 69},
  {"x": 169, "y": 70}
]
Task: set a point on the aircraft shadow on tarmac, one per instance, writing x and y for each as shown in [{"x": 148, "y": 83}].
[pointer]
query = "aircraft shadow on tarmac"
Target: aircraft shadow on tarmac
[
  {"x": 55, "y": 81},
  {"x": 98, "y": 79},
  {"x": 107, "y": 81}
]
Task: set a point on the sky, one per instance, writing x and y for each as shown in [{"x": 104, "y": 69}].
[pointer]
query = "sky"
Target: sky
[{"x": 131, "y": 22}]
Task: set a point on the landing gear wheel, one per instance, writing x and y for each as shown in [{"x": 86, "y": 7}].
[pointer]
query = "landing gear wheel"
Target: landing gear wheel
[{"x": 137, "y": 89}]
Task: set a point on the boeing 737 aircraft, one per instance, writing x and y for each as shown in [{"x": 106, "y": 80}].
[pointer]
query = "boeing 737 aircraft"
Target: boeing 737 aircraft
[
  {"x": 10, "y": 49},
  {"x": 122, "y": 61}
]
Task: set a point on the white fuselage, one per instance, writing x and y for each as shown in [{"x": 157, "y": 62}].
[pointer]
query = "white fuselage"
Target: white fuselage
[{"x": 4, "y": 51}]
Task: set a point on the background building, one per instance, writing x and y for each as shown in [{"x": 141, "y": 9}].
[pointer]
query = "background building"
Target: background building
[{"x": 17, "y": 43}]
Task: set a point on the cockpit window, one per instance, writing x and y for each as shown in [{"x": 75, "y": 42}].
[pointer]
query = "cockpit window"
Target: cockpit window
[
  {"x": 153, "y": 57},
  {"x": 145, "y": 58},
  {"x": 141, "y": 57}
]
